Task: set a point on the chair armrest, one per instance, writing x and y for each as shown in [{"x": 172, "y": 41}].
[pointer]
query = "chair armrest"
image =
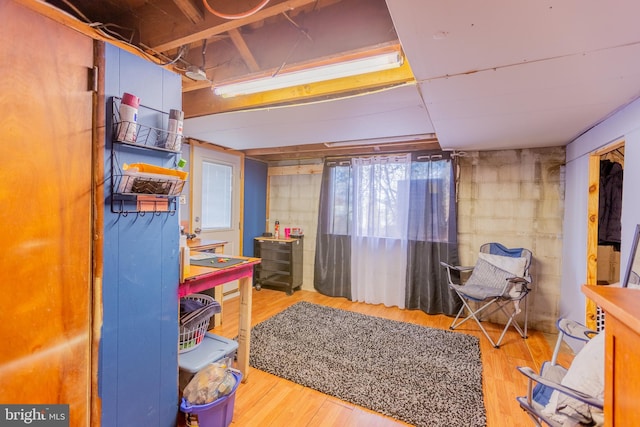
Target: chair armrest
[
  {"x": 456, "y": 267},
  {"x": 578, "y": 395},
  {"x": 575, "y": 329}
]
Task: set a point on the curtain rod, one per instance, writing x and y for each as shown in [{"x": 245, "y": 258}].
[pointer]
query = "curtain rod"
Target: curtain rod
[{"x": 342, "y": 160}]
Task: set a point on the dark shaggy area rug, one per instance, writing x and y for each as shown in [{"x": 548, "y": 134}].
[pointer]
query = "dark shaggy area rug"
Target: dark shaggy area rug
[{"x": 423, "y": 376}]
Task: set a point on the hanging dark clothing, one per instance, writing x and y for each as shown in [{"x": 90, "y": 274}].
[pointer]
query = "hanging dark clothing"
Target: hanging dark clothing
[{"x": 610, "y": 204}]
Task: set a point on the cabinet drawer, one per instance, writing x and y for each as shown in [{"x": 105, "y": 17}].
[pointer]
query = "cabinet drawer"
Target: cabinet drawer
[
  {"x": 274, "y": 246},
  {"x": 274, "y": 266}
]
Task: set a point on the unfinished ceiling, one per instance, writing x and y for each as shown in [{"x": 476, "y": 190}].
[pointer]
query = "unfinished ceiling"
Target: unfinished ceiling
[
  {"x": 194, "y": 39},
  {"x": 488, "y": 75}
]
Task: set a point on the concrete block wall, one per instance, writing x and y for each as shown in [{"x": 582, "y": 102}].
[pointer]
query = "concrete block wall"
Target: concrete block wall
[
  {"x": 293, "y": 200},
  {"x": 515, "y": 197}
]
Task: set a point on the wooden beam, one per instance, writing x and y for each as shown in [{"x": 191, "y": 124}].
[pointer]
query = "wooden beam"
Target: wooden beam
[
  {"x": 234, "y": 24},
  {"x": 244, "y": 50},
  {"x": 191, "y": 10},
  {"x": 189, "y": 85},
  {"x": 318, "y": 151},
  {"x": 203, "y": 102},
  {"x": 592, "y": 236},
  {"x": 215, "y": 147},
  {"x": 314, "y": 169}
]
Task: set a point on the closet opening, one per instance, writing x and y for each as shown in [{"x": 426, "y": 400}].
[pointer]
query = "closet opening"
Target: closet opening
[{"x": 604, "y": 235}]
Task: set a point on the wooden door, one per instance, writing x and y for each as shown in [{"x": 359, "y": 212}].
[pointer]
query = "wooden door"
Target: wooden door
[
  {"x": 45, "y": 218},
  {"x": 224, "y": 196}
]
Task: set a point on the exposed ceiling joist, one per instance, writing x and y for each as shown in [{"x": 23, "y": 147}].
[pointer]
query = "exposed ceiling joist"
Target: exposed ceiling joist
[
  {"x": 243, "y": 49},
  {"x": 230, "y": 25},
  {"x": 191, "y": 10}
]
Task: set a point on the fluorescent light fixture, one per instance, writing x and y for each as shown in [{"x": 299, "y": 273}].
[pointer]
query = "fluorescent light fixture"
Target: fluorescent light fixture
[
  {"x": 348, "y": 68},
  {"x": 381, "y": 141}
]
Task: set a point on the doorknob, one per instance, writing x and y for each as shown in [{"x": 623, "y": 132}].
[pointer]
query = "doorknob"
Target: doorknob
[{"x": 197, "y": 230}]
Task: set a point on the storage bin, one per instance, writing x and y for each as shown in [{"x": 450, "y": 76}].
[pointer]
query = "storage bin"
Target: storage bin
[
  {"x": 213, "y": 348},
  {"x": 193, "y": 329},
  {"x": 218, "y": 413}
]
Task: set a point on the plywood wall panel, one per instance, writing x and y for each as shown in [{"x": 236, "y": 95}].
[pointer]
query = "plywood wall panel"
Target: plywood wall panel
[{"x": 45, "y": 219}]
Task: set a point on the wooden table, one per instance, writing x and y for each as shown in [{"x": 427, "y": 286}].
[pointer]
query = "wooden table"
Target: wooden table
[
  {"x": 206, "y": 245},
  {"x": 211, "y": 246},
  {"x": 622, "y": 352},
  {"x": 201, "y": 278}
]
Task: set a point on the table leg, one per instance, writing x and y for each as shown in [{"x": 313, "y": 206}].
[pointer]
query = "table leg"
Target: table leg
[
  {"x": 244, "y": 326},
  {"x": 217, "y": 295}
]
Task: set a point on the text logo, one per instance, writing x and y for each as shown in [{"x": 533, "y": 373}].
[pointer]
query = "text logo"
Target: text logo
[{"x": 34, "y": 415}]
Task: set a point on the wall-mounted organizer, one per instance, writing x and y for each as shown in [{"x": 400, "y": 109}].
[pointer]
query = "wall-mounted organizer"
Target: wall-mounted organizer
[{"x": 141, "y": 187}]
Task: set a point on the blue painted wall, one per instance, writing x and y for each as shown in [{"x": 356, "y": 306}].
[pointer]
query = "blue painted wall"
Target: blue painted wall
[
  {"x": 255, "y": 203},
  {"x": 138, "y": 372}
]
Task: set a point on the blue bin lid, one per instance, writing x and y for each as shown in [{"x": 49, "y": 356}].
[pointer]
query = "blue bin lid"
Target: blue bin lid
[{"x": 212, "y": 349}]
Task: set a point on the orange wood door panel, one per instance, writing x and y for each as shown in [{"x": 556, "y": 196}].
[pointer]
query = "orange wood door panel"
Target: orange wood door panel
[{"x": 45, "y": 212}]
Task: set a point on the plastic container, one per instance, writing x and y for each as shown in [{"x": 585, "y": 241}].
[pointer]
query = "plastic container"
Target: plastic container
[
  {"x": 147, "y": 168},
  {"x": 218, "y": 413},
  {"x": 192, "y": 334},
  {"x": 174, "y": 137},
  {"x": 212, "y": 349},
  {"x": 185, "y": 260},
  {"x": 128, "y": 127}
]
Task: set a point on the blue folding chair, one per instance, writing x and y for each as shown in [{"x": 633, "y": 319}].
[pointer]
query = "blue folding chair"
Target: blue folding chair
[
  {"x": 499, "y": 281},
  {"x": 550, "y": 379}
]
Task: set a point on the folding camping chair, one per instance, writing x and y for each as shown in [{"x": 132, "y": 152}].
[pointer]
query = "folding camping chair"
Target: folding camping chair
[
  {"x": 499, "y": 281},
  {"x": 576, "y": 406}
]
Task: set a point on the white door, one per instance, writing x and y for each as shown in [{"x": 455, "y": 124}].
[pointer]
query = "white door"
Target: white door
[{"x": 216, "y": 200}]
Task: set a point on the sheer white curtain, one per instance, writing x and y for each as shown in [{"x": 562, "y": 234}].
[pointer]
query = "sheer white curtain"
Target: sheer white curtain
[{"x": 379, "y": 242}]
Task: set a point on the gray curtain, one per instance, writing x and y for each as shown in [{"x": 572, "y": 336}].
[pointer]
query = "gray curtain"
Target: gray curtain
[
  {"x": 432, "y": 232},
  {"x": 332, "y": 269}
]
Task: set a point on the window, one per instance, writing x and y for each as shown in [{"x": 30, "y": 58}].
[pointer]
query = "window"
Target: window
[
  {"x": 385, "y": 223},
  {"x": 381, "y": 188},
  {"x": 390, "y": 193},
  {"x": 217, "y": 184},
  {"x": 340, "y": 198}
]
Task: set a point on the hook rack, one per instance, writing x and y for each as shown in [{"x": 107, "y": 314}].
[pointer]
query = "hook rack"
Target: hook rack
[{"x": 149, "y": 194}]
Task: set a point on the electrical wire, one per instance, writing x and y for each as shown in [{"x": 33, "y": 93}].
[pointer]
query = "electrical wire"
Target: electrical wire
[
  {"x": 237, "y": 15},
  {"x": 103, "y": 29},
  {"x": 76, "y": 10},
  {"x": 298, "y": 27},
  {"x": 181, "y": 51},
  {"x": 204, "y": 51}
]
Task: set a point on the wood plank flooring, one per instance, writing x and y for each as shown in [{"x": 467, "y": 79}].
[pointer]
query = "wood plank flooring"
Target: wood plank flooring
[{"x": 266, "y": 400}]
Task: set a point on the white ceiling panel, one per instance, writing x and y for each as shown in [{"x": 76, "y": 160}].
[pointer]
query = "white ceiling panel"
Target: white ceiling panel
[
  {"x": 458, "y": 36},
  {"x": 538, "y": 104},
  {"x": 393, "y": 112},
  {"x": 514, "y": 74},
  {"x": 559, "y": 99}
]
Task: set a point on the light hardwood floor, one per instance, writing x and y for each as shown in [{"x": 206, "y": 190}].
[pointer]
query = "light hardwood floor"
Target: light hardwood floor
[{"x": 267, "y": 400}]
